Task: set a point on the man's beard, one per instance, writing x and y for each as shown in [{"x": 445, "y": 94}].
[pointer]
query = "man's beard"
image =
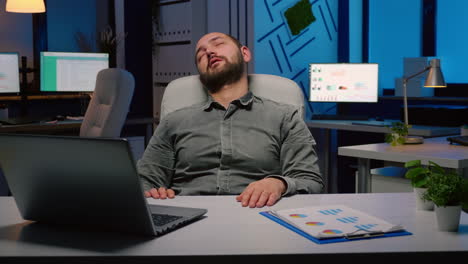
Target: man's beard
[{"x": 232, "y": 72}]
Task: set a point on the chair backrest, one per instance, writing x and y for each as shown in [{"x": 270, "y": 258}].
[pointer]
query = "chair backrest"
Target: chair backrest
[
  {"x": 109, "y": 104},
  {"x": 188, "y": 90}
]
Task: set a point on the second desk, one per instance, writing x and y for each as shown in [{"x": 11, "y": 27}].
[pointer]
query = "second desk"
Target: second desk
[
  {"x": 329, "y": 155},
  {"x": 437, "y": 150}
]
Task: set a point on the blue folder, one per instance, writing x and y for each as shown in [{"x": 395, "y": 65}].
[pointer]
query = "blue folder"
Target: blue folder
[{"x": 330, "y": 240}]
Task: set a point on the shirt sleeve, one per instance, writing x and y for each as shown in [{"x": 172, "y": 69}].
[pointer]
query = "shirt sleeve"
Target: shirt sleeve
[
  {"x": 156, "y": 166},
  {"x": 299, "y": 161}
]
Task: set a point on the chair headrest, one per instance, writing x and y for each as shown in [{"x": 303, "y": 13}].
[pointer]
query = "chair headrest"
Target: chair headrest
[{"x": 187, "y": 91}]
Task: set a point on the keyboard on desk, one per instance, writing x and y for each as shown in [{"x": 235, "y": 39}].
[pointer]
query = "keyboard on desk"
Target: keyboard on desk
[
  {"x": 162, "y": 219},
  {"x": 462, "y": 140},
  {"x": 339, "y": 117},
  {"x": 373, "y": 123}
]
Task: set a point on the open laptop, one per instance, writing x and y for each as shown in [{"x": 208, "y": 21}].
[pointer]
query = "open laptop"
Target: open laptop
[{"x": 91, "y": 182}]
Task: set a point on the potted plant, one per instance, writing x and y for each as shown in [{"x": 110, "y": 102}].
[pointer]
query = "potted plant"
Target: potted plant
[
  {"x": 449, "y": 192},
  {"x": 398, "y": 135},
  {"x": 107, "y": 42},
  {"x": 419, "y": 176}
]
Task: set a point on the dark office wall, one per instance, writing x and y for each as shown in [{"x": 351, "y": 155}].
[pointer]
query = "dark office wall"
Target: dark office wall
[
  {"x": 64, "y": 21},
  {"x": 284, "y": 47},
  {"x": 451, "y": 39},
  {"x": 54, "y": 30},
  {"x": 67, "y": 18},
  {"x": 90, "y": 17},
  {"x": 138, "y": 55},
  {"x": 431, "y": 28},
  {"x": 16, "y": 33},
  {"x": 394, "y": 33}
]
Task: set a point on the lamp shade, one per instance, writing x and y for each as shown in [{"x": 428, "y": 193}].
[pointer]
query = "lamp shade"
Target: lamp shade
[
  {"x": 434, "y": 78},
  {"x": 25, "y": 6}
]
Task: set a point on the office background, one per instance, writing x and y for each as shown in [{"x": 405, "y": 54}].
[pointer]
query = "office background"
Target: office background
[{"x": 158, "y": 39}]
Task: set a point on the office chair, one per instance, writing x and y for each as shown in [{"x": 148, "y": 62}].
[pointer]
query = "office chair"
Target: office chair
[
  {"x": 186, "y": 91},
  {"x": 109, "y": 104}
]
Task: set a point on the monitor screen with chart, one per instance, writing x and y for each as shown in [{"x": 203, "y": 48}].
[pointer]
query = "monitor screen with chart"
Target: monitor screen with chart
[
  {"x": 71, "y": 71},
  {"x": 343, "y": 82},
  {"x": 9, "y": 72}
]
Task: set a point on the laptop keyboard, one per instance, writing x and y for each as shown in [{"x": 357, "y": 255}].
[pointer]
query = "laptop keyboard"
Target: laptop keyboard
[
  {"x": 462, "y": 140},
  {"x": 162, "y": 219}
]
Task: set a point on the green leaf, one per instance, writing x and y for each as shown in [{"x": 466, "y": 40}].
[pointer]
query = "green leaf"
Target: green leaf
[
  {"x": 446, "y": 188},
  {"x": 388, "y": 138},
  {"x": 414, "y": 172},
  {"x": 401, "y": 140},
  {"x": 436, "y": 167},
  {"x": 422, "y": 183},
  {"x": 418, "y": 176},
  {"x": 412, "y": 163}
]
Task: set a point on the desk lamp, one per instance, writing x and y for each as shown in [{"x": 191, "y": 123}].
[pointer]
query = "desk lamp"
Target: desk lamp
[
  {"x": 25, "y": 6},
  {"x": 434, "y": 79}
]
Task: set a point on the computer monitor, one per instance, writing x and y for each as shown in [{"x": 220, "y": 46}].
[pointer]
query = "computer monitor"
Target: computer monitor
[
  {"x": 71, "y": 71},
  {"x": 9, "y": 72},
  {"x": 344, "y": 82}
]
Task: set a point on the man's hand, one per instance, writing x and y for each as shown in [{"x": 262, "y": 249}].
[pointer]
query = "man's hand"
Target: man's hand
[
  {"x": 161, "y": 193},
  {"x": 263, "y": 192}
]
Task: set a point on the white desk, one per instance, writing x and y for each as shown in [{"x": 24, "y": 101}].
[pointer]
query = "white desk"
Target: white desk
[
  {"x": 415, "y": 130},
  {"x": 438, "y": 150},
  {"x": 329, "y": 170},
  {"x": 233, "y": 234}
]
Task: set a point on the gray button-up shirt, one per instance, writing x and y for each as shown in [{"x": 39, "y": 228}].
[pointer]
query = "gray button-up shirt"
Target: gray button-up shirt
[{"x": 206, "y": 149}]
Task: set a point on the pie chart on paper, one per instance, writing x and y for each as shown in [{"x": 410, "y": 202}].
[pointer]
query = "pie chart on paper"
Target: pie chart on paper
[
  {"x": 332, "y": 231},
  {"x": 298, "y": 215}
]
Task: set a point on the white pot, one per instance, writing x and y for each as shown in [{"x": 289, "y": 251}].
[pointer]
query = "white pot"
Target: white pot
[
  {"x": 463, "y": 131},
  {"x": 448, "y": 217},
  {"x": 421, "y": 204},
  {"x": 395, "y": 137}
]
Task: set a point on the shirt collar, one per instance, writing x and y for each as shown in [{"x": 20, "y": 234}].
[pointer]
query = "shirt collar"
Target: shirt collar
[
  {"x": 209, "y": 103},
  {"x": 245, "y": 101}
]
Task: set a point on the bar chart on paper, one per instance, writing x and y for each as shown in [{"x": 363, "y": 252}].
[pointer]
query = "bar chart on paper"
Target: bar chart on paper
[{"x": 334, "y": 222}]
